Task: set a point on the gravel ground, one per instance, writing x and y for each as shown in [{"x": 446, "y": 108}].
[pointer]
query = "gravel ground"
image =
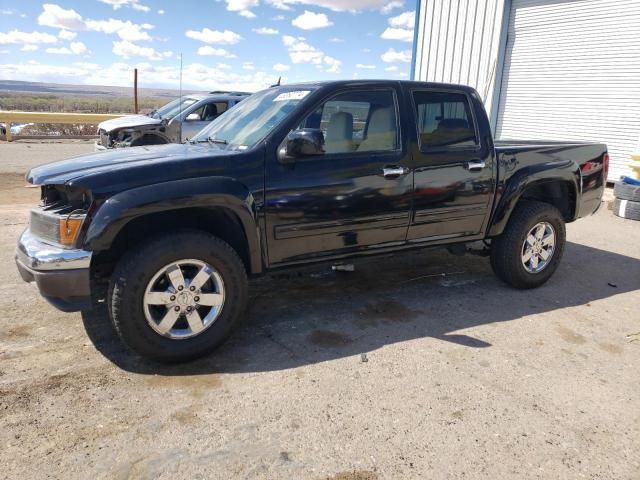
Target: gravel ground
[{"x": 418, "y": 366}]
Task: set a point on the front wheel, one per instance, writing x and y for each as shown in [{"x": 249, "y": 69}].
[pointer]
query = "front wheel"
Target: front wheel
[
  {"x": 178, "y": 297},
  {"x": 530, "y": 249}
]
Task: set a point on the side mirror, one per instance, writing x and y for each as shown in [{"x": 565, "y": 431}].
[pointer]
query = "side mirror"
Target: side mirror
[
  {"x": 193, "y": 117},
  {"x": 301, "y": 143}
]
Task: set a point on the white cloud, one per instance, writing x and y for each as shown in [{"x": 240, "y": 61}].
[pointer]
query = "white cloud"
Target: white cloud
[
  {"x": 29, "y": 48},
  {"x": 58, "y": 50},
  {"x": 224, "y": 66},
  {"x": 66, "y": 35},
  {"x": 127, "y": 49},
  {"x": 336, "y": 5},
  {"x": 302, "y": 52},
  {"x": 55, "y": 16},
  {"x": 281, "y": 67},
  {"x": 116, "y": 4},
  {"x": 404, "y": 20},
  {"x": 167, "y": 54},
  {"x": 336, "y": 40},
  {"x": 392, "y": 6},
  {"x": 266, "y": 31},
  {"x": 401, "y": 27},
  {"x": 243, "y": 7},
  {"x": 391, "y": 68},
  {"x": 214, "y": 36},
  {"x": 362, "y": 66},
  {"x": 333, "y": 64},
  {"x": 217, "y": 52},
  {"x": 397, "y": 34},
  {"x": 131, "y": 32},
  {"x": 278, "y": 18},
  {"x": 311, "y": 21},
  {"x": 248, "y": 66},
  {"x": 366, "y": 50},
  {"x": 395, "y": 56},
  {"x": 78, "y": 48},
  {"x": 16, "y": 36},
  {"x": 160, "y": 12}
]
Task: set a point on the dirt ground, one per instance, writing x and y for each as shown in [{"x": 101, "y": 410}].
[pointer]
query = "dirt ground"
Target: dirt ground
[{"x": 422, "y": 365}]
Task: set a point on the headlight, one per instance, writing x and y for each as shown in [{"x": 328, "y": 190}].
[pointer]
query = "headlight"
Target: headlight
[{"x": 56, "y": 227}]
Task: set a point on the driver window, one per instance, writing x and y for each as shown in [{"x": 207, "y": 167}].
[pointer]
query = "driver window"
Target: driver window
[
  {"x": 444, "y": 120},
  {"x": 357, "y": 122},
  {"x": 207, "y": 113}
]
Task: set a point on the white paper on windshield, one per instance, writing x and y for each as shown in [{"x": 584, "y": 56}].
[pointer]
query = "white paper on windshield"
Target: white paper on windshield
[{"x": 295, "y": 95}]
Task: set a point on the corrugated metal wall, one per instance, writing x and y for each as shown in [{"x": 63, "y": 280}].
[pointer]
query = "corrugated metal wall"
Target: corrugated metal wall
[
  {"x": 572, "y": 72},
  {"x": 458, "y": 42}
]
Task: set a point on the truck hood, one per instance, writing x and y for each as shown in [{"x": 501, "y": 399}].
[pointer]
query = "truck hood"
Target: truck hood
[
  {"x": 129, "y": 121},
  {"x": 120, "y": 169}
]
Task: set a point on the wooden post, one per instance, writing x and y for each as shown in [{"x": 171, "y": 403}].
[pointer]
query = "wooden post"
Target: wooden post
[{"x": 135, "y": 90}]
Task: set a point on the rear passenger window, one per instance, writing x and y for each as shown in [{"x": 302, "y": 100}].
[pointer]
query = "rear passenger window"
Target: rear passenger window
[{"x": 444, "y": 120}]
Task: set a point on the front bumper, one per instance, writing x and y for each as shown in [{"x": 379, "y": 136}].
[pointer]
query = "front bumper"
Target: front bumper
[{"x": 62, "y": 275}]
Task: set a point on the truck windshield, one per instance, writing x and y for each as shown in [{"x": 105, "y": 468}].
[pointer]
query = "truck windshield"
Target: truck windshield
[
  {"x": 250, "y": 121},
  {"x": 173, "y": 108}
]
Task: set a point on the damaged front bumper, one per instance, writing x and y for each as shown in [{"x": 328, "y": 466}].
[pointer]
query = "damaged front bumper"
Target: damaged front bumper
[{"x": 62, "y": 275}]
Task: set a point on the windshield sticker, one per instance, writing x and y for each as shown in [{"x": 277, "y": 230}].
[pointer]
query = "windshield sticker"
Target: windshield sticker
[{"x": 286, "y": 96}]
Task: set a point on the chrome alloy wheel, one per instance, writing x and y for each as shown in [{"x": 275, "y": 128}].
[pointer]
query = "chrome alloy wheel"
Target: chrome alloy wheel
[
  {"x": 183, "y": 299},
  {"x": 539, "y": 247}
]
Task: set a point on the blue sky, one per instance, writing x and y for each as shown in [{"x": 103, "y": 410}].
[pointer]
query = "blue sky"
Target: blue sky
[{"x": 226, "y": 44}]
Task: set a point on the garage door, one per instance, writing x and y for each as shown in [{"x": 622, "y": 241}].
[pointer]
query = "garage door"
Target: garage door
[{"x": 572, "y": 72}]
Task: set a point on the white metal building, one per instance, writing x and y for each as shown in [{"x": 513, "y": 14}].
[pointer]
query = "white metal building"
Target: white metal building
[{"x": 547, "y": 69}]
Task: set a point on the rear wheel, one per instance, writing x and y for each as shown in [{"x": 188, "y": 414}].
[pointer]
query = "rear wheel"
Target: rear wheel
[
  {"x": 530, "y": 249},
  {"x": 178, "y": 297}
]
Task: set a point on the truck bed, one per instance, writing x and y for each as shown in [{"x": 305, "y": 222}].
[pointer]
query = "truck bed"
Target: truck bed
[{"x": 586, "y": 160}]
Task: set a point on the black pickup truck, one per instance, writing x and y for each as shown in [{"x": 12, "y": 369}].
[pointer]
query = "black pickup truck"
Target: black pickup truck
[{"x": 315, "y": 172}]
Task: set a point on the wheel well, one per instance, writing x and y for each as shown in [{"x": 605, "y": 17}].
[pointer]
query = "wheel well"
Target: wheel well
[
  {"x": 560, "y": 194},
  {"x": 220, "y": 222},
  {"x": 149, "y": 139}
]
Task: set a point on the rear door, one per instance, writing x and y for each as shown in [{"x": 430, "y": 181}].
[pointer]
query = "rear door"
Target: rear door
[
  {"x": 454, "y": 167},
  {"x": 356, "y": 196}
]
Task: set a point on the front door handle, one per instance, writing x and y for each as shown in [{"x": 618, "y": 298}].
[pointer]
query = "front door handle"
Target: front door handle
[
  {"x": 475, "y": 165},
  {"x": 394, "y": 171}
]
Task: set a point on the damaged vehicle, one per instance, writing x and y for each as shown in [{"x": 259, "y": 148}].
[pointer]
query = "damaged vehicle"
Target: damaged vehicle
[
  {"x": 175, "y": 122},
  {"x": 167, "y": 237}
]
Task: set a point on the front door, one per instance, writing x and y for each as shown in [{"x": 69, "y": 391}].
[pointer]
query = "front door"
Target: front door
[
  {"x": 454, "y": 170},
  {"x": 355, "y": 196},
  {"x": 199, "y": 117}
]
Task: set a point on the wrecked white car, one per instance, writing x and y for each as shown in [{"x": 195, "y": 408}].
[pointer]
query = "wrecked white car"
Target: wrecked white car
[{"x": 175, "y": 122}]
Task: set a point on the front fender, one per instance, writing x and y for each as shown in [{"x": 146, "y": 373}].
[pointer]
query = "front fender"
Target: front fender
[
  {"x": 207, "y": 192},
  {"x": 527, "y": 177}
]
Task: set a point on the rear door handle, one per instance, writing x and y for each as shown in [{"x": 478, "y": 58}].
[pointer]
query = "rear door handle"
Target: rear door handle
[
  {"x": 394, "y": 171},
  {"x": 475, "y": 165}
]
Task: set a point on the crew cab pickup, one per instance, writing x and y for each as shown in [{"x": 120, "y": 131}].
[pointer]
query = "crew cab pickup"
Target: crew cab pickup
[{"x": 315, "y": 172}]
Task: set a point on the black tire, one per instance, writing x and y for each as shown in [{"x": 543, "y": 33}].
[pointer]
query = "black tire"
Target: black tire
[
  {"x": 626, "y": 209},
  {"x": 624, "y": 191},
  {"x": 135, "y": 270},
  {"x": 506, "y": 249}
]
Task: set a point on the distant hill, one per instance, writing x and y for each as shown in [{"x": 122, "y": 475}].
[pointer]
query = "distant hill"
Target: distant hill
[{"x": 85, "y": 90}]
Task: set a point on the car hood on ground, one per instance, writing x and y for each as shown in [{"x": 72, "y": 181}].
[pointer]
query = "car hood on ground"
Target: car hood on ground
[
  {"x": 114, "y": 170},
  {"x": 128, "y": 122}
]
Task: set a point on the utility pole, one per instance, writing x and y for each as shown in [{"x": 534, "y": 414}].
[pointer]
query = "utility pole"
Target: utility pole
[{"x": 135, "y": 90}]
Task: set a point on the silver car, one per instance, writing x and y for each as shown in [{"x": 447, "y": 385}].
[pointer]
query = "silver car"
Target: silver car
[{"x": 175, "y": 122}]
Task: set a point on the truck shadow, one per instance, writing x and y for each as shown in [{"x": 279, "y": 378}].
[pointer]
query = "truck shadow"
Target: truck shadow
[{"x": 311, "y": 317}]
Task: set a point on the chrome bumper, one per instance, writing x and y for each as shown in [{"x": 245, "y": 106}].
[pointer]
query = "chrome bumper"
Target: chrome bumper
[
  {"x": 62, "y": 275},
  {"x": 98, "y": 147}
]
